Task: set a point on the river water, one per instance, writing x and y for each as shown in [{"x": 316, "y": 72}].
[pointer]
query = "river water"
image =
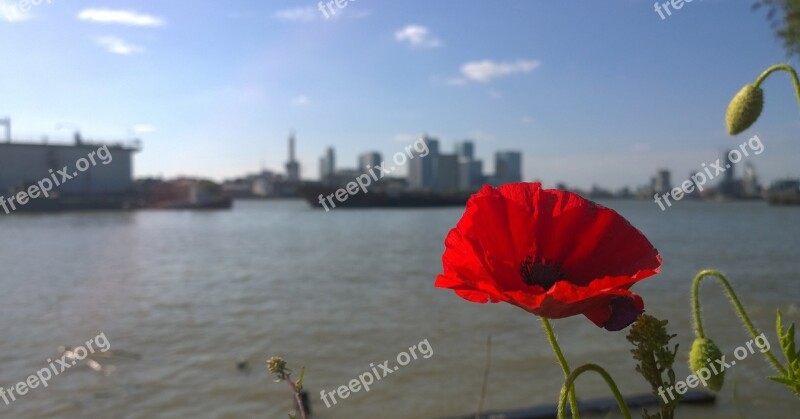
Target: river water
[{"x": 195, "y": 293}]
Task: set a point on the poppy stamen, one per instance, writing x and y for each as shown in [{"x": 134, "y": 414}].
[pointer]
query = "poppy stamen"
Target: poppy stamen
[{"x": 540, "y": 271}]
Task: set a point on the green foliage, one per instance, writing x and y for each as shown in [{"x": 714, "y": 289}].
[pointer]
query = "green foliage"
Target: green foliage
[
  {"x": 791, "y": 378},
  {"x": 654, "y": 359},
  {"x": 784, "y": 16}
]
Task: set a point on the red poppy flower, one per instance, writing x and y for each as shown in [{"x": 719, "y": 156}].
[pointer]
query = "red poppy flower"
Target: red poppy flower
[{"x": 549, "y": 252}]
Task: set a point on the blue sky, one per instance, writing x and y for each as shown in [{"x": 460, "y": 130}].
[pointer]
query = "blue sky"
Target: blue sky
[{"x": 591, "y": 92}]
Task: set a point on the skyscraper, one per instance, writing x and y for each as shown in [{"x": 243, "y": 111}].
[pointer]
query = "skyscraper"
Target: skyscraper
[
  {"x": 369, "y": 160},
  {"x": 750, "y": 185},
  {"x": 422, "y": 170},
  {"x": 327, "y": 165},
  {"x": 446, "y": 173},
  {"x": 470, "y": 171},
  {"x": 292, "y": 166},
  {"x": 661, "y": 183},
  {"x": 465, "y": 150},
  {"x": 507, "y": 167},
  {"x": 470, "y": 175}
]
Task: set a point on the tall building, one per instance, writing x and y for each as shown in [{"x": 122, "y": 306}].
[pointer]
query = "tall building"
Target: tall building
[
  {"x": 729, "y": 166},
  {"x": 327, "y": 165},
  {"x": 470, "y": 175},
  {"x": 661, "y": 182},
  {"x": 507, "y": 167},
  {"x": 422, "y": 170},
  {"x": 369, "y": 160},
  {"x": 470, "y": 170},
  {"x": 750, "y": 185},
  {"x": 292, "y": 166},
  {"x": 729, "y": 187},
  {"x": 6, "y": 122},
  {"x": 446, "y": 173},
  {"x": 465, "y": 150}
]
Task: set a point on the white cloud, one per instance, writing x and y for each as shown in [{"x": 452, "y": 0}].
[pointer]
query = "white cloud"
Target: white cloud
[
  {"x": 118, "y": 46},
  {"x": 417, "y": 36},
  {"x": 486, "y": 70},
  {"x": 10, "y": 13},
  {"x": 301, "y": 101},
  {"x": 143, "y": 129},
  {"x": 299, "y": 14},
  {"x": 526, "y": 119},
  {"x": 123, "y": 17}
]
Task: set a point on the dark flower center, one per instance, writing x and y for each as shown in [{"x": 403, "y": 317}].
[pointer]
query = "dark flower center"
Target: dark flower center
[{"x": 540, "y": 271}]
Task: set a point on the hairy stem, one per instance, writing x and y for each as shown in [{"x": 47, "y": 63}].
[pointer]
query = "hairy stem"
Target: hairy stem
[
  {"x": 570, "y": 382},
  {"x": 485, "y": 376},
  {"x": 781, "y": 67},
  {"x": 748, "y": 325},
  {"x": 551, "y": 336}
]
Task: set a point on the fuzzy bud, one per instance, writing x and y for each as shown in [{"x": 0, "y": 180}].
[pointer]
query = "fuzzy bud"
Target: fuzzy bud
[
  {"x": 702, "y": 359},
  {"x": 744, "y": 109}
]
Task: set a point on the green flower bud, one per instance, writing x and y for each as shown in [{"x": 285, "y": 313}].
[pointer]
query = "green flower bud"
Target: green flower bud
[
  {"x": 744, "y": 109},
  {"x": 702, "y": 359},
  {"x": 277, "y": 366}
]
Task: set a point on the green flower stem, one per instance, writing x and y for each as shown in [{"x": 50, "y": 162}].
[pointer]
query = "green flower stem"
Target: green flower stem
[
  {"x": 570, "y": 382},
  {"x": 778, "y": 67},
  {"x": 698, "y": 322},
  {"x": 551, "y": 336}
]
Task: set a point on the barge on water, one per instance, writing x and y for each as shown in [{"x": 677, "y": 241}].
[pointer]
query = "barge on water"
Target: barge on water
[{"x": 315, "y": 194}]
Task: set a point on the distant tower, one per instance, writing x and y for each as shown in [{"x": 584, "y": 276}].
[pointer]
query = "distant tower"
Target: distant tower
[
  {"x": 369, "y": 160},
  {"x": 507, "y": 167},
  {"x": 292, "y": 166},
  {"x": 750, "y": 182},
  {"x": 422, "y": 171},
  {"x": 728, "y": 186},
  {"x": 662, "y": 183},
  {"x": 729, "y": 167},
  {"x": 465, "y": 150},
  {"x": 470, "y": 170},
  {"x": 327, "y": 165},
  {"x": 6, "y": 122}
]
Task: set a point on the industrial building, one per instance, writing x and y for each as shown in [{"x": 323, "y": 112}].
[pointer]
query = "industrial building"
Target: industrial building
[{"x": 23, "y": 164}]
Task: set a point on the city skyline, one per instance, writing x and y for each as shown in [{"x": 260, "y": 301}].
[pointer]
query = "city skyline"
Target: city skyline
[
  {"x": 467, "y": 174},
  {"x": 540, "y": 77}
]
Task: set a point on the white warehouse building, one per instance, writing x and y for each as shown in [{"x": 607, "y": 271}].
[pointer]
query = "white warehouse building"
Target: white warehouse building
[{"x": 23, "y": 164}]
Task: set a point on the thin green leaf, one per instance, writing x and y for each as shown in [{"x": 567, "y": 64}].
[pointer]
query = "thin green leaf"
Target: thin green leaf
[
  {"x": 782, "y": 380},
  {"x": 299, "y": 385},
  {"x": 789, "y": 348}
]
